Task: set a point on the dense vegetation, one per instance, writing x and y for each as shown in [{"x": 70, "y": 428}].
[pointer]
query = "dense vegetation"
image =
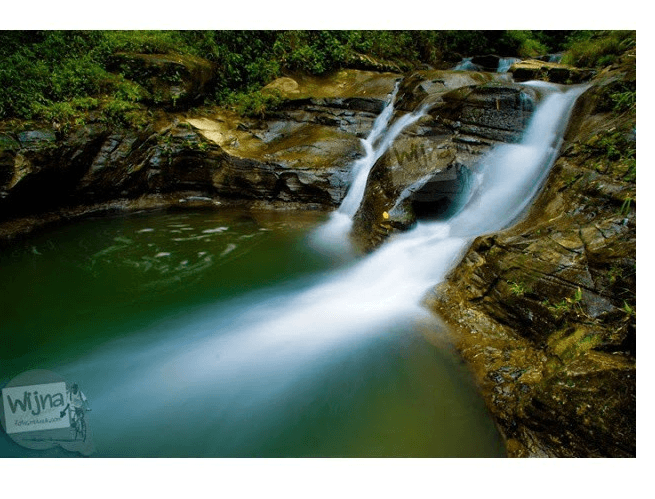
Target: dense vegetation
[{"x": 61, "y": 75}]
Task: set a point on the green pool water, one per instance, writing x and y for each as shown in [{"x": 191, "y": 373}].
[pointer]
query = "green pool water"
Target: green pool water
[{"x": 163, "y": 319}]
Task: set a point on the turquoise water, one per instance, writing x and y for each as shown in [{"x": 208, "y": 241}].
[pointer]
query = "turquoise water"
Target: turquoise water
[{"x": 166, "y": 320}]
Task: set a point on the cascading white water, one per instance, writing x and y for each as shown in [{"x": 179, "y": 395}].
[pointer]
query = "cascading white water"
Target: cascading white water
[
  {"x": 244, "y": 357},
  {"x": 512, "y": 174},
  {"x": 466, "y": 64},
  {"x": 331, "y": 237},
  {"x": 504, "y": 63},
  {"x": 388, "y": 285},
  {"x": 373, "y": 147}
]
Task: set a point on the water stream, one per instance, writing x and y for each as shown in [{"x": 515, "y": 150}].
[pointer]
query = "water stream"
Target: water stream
[
  {"x": 332, "y": 237},
  {"x": 312, "y": 357},
  {"x": 504, "y": 63}
]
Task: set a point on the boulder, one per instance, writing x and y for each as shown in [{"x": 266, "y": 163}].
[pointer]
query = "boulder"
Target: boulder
[
  {"x": 168, "y": 79},
  {"x": 281, "y": 159},
  {"x": 344, "y": 84},
  {"x": 495, "y": 111},
  {"x": 425, "y": 87},
  {"x": 534, "y": 69}
]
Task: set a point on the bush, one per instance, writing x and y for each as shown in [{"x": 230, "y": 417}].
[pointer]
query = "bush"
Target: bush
[
  {"x": 117, "y": 112},
  {"x": 41, "y": 70},
  {"x": 256, "y": 104},
  {"x": 38, "y": 69},
  {"x": 145, "y": 42},
  {"x": 598, "y": 49},
  {"x": 523, "y": 44},
  {"x": 314, "y": 52}
]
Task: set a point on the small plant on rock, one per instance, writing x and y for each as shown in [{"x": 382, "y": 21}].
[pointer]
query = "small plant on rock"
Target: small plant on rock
[{"x": 518, "y": 288}]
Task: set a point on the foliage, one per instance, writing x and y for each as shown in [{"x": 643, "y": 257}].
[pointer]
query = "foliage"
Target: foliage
[
  {"x": 145, "y": 42},
  {"x": 315, "y": 52},
  {"x": 619, "y": 97},
  {"x": 567, "y": 305},
  {"x": 615, "y": 149},
  {"x": 255, "y": 104},
  {"x": 117, "y": 112},
  {"x": 522, "y": 43},
  {"x": 596, "y": 49},
  {"x": 624, "y": 101},
  {"x": 518, "y": 288},
  {"x": 42, "y": 73}
]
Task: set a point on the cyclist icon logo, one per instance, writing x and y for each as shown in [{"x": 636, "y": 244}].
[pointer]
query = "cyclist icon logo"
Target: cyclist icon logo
[
  {"x": 40, "y": 410},
  {"x": 76, "y": 407}
]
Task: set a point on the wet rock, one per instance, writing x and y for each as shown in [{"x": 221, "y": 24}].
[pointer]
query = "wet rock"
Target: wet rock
[
  {"x": 427, "y": 171},
  {"x": 486, "y": 62},
  {"x": 593, "y": 404},
  {"x": 560, "y": 288},
  {"x": 428, "y": 86},
  {"x": 285, "y": 160},
  {"x": 300, "y": 155},
  {"x": 285, "y": 86},
  {"x": 534, "y": 69},
  {"x": 494, "y": 111},
  {"x": 344, "y": 84},
  {"x": 42, "y": 171},
  {"x": 39, "y": 138}
]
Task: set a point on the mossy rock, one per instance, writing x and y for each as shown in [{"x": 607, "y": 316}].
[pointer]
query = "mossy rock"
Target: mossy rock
[
  {"x": 534, "y": 69},
  {"x": 169, "y": 79}
]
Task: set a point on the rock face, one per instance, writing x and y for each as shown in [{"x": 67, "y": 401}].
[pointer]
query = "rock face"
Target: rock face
[
  {"x": 303, "y": 151},
  {"x": 545, "y": 312},
  {"x": 535, "y": 69},
  {"x": 95, "y": 164},
  {"x": 425, "y": 173},
  {"x": 298, "y": 156}
]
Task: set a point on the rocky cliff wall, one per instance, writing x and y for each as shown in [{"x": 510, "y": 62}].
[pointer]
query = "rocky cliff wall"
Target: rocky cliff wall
[{"x": 545, "y": 312}]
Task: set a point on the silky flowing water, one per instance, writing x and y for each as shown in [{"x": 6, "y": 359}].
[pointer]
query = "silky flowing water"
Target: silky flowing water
[
  {"x": 155, "y": 317},
  {"x": 233, "y": 334}
]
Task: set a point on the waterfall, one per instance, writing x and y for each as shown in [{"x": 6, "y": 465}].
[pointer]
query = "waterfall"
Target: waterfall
[
  {"x": 242, "y": 358},
  {"x": 466, "y": 64},
  {"x": 332, "y": 237},
  {"x": 511, "y": 175},
  {"x": 388, "y": 286},
  {"x": 504, "y": 63},
  {"x": 557, "y": 58},
  {"x": 373, "y": 147}
]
